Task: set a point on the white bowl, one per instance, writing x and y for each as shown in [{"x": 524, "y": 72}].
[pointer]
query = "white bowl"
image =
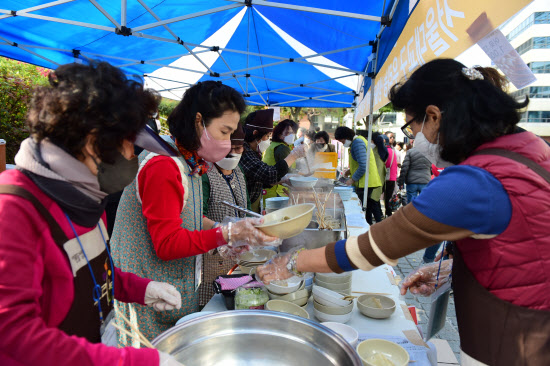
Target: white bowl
[
  {"x": 276, "y": 202},
  {"x": 338, "y": 287},
  {"x": 328, "y": 297},
  {"x": 394, "y": 352},
  {"x": 278, "y": 287},
  {"x": 334, "y": 277},
  {"x": 347, "y": 332},
  {"x": 367, "y": 306},
  {"x": 286, "y": 307},
  {"x": 194, "y": 315},
  {"x": 303, "y": 182},
  {"x": 324, "y": 317},
  {"x": 344, "y": 192}
]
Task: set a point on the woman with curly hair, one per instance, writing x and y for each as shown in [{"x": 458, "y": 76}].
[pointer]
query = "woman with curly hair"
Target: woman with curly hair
[
  {"x": 57, "y": 279},
  {"x": 160, "y": 230}
]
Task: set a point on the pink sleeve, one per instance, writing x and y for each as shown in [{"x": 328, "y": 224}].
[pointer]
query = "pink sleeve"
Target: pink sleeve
[
  {"x": 129, "y": 287},
  {"x": 161, "y": 192},
  {"x": 26, "y": 338}
]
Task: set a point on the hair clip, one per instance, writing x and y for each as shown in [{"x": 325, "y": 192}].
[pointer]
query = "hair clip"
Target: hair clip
[{"x": 472, "y": 73}]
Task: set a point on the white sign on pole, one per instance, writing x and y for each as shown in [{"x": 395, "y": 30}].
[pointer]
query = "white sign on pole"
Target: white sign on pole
[{"x": 276, "y": 113}]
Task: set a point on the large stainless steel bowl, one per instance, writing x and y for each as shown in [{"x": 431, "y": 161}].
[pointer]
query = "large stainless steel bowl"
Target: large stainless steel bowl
[{"x": 255, "y": 337}]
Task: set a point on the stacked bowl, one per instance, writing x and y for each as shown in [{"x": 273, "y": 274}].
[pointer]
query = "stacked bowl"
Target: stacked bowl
[
  {"x": 344, "y": 192},
  {"x": 329, "y": 306},
  {"x": 276, "y": 203},
  {"x": 291, "y": 290},
  {"x": 336, "y": 282},
  {"x": 250, "y": 260}
]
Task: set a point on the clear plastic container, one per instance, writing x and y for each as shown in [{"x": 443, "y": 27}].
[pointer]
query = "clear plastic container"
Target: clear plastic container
[{"x": 250, "y": 298}]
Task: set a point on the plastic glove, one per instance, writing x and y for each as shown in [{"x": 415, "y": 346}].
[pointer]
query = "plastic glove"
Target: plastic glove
[
  {"x": 299, "y": 151},
  {"x": 242, "y": 232},
  {"x": 276, "y": 268},
  {"x": 422, "y": 281},
  {"x": 166, "y": 360},
  {"x": 233, "y": 253},
  {"x": 162, "y": 296},
  {"x": 299, "y": 141}
]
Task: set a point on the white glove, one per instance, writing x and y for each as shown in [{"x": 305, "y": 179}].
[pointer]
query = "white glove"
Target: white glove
[
  {"x": 162, "y": 296},
  {"x": 166, "y": 360},
  {"x": 299, "y": 151},
  {"x": 299, "y": 141}
]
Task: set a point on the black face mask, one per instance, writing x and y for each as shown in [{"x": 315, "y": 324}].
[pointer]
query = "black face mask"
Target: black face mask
[{"x": 114, "y": 177}]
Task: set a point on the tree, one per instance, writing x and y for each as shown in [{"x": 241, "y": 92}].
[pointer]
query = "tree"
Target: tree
[{"x": 17, "y": 82}]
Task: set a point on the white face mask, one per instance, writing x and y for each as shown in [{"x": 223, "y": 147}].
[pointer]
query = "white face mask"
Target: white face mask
[
  {"x": 347, "y": 143},
  {"x": 263, "y": 145},
  {"x": 307, "y": 142},
  {"x": 431, "y": 151},
  {"x": 229, "y": 163},
  {"x": 289, "y": 140}
]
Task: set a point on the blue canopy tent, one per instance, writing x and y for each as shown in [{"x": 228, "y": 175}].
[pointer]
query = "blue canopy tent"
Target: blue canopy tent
[{"x": 276, "y": 53}]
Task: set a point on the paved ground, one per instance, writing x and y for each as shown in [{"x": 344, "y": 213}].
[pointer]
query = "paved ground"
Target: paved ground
[{"x": 450, "y": 333}]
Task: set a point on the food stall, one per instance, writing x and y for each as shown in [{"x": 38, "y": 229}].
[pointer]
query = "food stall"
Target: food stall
[{"x": 399, "y": 327}]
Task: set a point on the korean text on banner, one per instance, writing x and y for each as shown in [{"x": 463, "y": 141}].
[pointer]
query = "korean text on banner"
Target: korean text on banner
[{"x": 436, "y": 28}]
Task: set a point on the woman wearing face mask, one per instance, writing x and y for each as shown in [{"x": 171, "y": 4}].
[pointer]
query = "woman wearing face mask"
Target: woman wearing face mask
[
  {"x": 224, "y": 181},
  {"x": 160, "y": 230},
  {"x": 279, "y": 149},
  {"x": 57, "y": 279},
  {"x": 322, "y": 140},
  {"x": 492, "y": 200}
]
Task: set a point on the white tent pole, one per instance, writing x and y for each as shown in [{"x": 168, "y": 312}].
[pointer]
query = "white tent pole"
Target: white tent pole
[
  {"x": 253, "y": 102},
  {"x": 329, "y": 66},
  {"x": 254, "y": 68},
  {"x": 64, "y": 21},
  {"x": 335, "y": 78},
  {"x": 290, "y": 101},
  {"x": 394, "y": 6},
  {"x": 233, "y": 75},
  {"x": 185, "y": 17},
  {"x": 311, "y": 10},
  {"x": 123, "y": 8},
  {"x": 335, "y": 51},
  {"x": 172, "y": 81},
  {"x": 106, "y": 13},
  {"x": 148, "y": 36},
  {"x": 27, "y": 50},
  {"x": 197, "y": 58},
  {"x": 302, "y": 86},
  {"x": 43, "y": 6},
  {"x": 261, "y": 96}
]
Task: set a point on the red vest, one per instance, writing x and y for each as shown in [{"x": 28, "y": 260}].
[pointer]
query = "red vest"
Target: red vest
[{"x": 515, "y": 265}]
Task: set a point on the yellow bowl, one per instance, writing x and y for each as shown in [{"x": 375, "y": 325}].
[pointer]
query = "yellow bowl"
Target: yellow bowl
[
  {"x": 368, "y": 349},
  {"x": 287, "y": 222},
  {"x": 367, "y": 306}
]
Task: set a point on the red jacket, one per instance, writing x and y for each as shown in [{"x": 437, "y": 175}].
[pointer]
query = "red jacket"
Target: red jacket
[
  {"x": 37, "y": 290},
  {"x": 515, "y": 265}
]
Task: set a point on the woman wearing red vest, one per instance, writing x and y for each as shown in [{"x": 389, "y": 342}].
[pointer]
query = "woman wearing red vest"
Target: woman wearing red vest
[
  {"x": 57, "y": 280},
  {"x": 492, "y": 199}
]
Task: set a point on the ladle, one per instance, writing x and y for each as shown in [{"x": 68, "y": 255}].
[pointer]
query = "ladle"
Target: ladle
[{"x": 239, "y": 208}]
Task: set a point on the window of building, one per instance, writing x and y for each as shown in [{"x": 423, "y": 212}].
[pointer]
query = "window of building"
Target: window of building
[
  {"x": 540, "y": 67},
  {"x": 538, "y": 117},
  {"x": 540, "y": 17},
  {"x": 535, "y": 42},
  {"x": 533, "y": 92}
]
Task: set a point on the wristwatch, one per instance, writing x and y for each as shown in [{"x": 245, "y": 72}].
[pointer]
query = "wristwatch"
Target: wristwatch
[{"x": 291, "y": 265}]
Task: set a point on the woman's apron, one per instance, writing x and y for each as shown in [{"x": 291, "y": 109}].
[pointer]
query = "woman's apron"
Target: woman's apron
[
  {"x": 496, "y": 332},
  {"x": 133, "y": 251}
]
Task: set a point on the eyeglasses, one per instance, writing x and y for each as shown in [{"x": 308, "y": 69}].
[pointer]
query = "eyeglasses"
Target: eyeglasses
[{"x": 407, "y": 130}]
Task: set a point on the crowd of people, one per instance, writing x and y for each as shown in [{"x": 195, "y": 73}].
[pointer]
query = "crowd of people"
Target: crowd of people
[{"x": 69, "y": 271}]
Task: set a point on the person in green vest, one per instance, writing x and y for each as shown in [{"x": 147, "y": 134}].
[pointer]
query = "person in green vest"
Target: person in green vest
[
  {"x": 281, "y": 144},
  {"x": 358, "y": 161}
]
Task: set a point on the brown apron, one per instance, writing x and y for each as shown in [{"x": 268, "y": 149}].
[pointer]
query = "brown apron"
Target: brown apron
[
  {"x": 494, "y": 331},
  {"x": 83, "y": 317}
]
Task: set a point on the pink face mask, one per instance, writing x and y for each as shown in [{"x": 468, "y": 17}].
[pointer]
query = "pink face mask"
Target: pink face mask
[{"x": 213, "y": 150}]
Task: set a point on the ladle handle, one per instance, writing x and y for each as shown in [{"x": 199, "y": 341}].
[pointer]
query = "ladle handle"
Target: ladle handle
[{"x": 239, "y": 208}]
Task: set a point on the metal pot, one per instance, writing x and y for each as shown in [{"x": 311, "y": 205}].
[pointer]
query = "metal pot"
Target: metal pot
[{"x": 255, "y": 337}]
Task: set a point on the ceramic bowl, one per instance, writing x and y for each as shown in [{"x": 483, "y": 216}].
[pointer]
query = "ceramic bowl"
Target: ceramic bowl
[
  {"x": 368, "y": 307},
  {"x": 303, "y": 182},
  {"x": 328, "y": 297},
  {"x": 324, "y": 317},
  {"x": 287, "y": 222},
  {"x": 299, "y": 297},
  {"x": 257, "y": 256},
  {"x": 347, "y": 332},
  {"x": 248, "y": 270},
  {"x": 333, "y": 310},
  {"x": 286, "y": 307},
  {"x": 369, "y": 348},
  {"x": 334, "y": 278},
  {"x": 285, "y": 287},
  {"x": 338, "y": 287}
]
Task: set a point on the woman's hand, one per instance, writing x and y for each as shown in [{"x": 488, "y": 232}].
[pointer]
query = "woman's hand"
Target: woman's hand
[
  {"x": 422, "y": 281},
  {"x": 275, "y": 269},
  {"x": 244, "y": 232},
  {"x": 162, "y": 296}
]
